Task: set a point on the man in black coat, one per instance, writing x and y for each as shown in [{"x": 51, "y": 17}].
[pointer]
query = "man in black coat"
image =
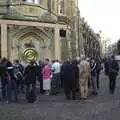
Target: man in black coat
[
  {"x": 40, "y": 77},
  {"x": 68, "y": 75},
  {"x": 98, "y": 69},
  {"x": 112, "y": 72},
  {"x": 30, "y": 76}
]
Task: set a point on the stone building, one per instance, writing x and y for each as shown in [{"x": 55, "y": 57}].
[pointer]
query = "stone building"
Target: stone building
[
  {"x": 48, "y": 26},
  {"x": 92, "y": 45}
]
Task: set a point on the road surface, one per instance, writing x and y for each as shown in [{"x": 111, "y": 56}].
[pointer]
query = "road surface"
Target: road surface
[{"x": 102, "y": 107}]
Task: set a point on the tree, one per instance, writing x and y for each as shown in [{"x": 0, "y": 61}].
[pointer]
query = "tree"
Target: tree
[{"x": 118, "y": 46}]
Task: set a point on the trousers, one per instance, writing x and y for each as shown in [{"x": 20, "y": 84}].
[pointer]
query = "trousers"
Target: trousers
[
  {"x": 83, "y": 88},
  {"x": 112, "y": 83}
]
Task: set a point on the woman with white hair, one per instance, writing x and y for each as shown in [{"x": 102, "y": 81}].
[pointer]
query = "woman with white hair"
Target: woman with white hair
[{"x": 84, "y": 73}]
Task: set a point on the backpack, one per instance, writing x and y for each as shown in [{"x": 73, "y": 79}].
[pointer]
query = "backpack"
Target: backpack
[
  {"x": 31, "y": 96},
  {"x": 17, "y": 74}
]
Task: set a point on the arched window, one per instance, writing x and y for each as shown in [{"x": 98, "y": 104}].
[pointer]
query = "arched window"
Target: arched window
[
  {"x": 41, "y": 1},
  {"x": 49, "y": 5},
  {"x": 30, "y": 1},
  {"x": 61, "y": 7}
]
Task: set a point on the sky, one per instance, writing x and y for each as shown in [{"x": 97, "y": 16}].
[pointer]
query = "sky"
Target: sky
[{"x": 102, "y": 15}]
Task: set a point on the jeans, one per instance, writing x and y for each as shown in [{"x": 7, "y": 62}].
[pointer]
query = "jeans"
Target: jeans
[
  {"x": 98, "y": 75},
  {"x": 94, "y": 83},
  {"x": 112, "y": 83},
  {"x": 12, "y": 90},
  {"x": 20, "y": 86},
  {"x": 83, "y": 87}
]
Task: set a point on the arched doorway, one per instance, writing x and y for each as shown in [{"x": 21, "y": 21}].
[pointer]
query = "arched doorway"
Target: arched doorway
[{"x": 31, "y": 37}]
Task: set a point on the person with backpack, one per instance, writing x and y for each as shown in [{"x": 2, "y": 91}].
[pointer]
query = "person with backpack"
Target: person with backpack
[{"x": 18, "y": 75}]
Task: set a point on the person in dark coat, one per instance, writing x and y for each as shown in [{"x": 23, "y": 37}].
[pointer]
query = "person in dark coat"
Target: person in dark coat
[
  {"x": 76, "y": 71},
  {"x": 98, "y": 69},
  {"x": 18, "y": 74},
  {"x": 3, "y": 64},
  {"x": 9, "y": 85},
  {"x": 106, "y": 66},
  {"x": 112, "y": 70},
  {"x": 40, "y": 77},
  {"x": 30, "y": 75},
  {"x": 68, "y": 75},
  {"x": 93, "y": 76}
]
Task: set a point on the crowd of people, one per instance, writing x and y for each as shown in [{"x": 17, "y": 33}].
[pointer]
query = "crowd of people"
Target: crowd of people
[{"x": 74, "y": 76}]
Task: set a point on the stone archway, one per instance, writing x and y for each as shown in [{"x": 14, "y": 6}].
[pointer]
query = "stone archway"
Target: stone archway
[{"x": 26, "y": 35}]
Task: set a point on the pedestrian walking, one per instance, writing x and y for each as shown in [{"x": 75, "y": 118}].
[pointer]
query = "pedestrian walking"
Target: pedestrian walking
[{"x": 112, "y": 69}]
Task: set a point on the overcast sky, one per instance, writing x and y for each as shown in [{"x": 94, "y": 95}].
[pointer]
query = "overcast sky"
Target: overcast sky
[{"x": 102, "y": 15}]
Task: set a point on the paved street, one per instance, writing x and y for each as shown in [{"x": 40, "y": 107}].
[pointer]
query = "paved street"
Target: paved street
[{"x": 102, "y": 107}]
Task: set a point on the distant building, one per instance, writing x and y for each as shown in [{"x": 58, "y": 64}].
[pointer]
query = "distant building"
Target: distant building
[{"x": 92, "y": 45}]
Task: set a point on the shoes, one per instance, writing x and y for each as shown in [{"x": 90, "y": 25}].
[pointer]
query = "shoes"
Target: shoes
[
  {"x": 8, "y": 102},
  {"x": 47, "y": 93},
  {"x": 94, "y": 93}
]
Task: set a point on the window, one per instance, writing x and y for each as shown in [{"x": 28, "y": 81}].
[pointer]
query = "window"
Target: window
[
  {"x": 61, "y": 7},
  {"x": 49, "y": 5},
  {"x": 29, "y": 1},
  {"x": 32, "y": 1},
  {"x": 41, "y": 1},
  {"x": 53, "y": 5},
  {"x": 36, "y": 1}
]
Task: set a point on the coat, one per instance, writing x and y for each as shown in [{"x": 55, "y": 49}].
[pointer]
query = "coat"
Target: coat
[
  {"x": 68, "y": 75},
  {"x": 30, "y": 74},
  {"x": 84, "y": 70}
]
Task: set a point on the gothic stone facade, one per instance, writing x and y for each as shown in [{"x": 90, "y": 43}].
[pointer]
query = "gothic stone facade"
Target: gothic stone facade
[{"x": 38, "y": 22}]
